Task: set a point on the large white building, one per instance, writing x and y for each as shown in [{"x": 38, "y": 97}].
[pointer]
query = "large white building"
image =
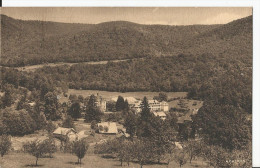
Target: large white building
[{"x": 154, "y": 105}]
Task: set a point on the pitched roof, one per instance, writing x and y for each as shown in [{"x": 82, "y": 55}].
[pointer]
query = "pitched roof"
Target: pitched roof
[
  {"x": 112, "y": 128},
  {"x": 160, "y": 114},
  {"x": 63, "y": 131}
]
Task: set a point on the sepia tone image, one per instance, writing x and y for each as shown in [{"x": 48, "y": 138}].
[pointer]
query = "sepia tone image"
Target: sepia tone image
[{"x": 137, "y": 87}]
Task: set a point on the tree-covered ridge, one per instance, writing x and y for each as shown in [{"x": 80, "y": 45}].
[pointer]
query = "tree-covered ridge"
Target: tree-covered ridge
[
  {"x": 36, "y": 42},
  {"x": 224, "y": 80}
]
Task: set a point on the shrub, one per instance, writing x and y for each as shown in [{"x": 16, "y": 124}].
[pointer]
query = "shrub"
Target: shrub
[
  {"x": 105, "y": 128},
  {"x": 94, "y": 124}
]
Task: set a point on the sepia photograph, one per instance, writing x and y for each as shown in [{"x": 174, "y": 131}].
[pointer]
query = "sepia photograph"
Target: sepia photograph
[{"x": 133, "y": 87}]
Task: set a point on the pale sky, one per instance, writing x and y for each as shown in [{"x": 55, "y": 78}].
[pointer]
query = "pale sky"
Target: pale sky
[{"x": 142, "y": 15}]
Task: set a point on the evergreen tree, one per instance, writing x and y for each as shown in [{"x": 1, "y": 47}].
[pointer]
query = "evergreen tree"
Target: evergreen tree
[
  {"x": 145, "y": 113},
  {"x": 74, "y": 110},
  {"x": 120, "y": 103},
  {"x": 126, "y": 106},
  {"x": 130, "y": 123},
  {"x": 92, "y": 111}
]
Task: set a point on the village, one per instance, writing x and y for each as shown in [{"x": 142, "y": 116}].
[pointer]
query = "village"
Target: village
[{"x": 111, "y": 125}]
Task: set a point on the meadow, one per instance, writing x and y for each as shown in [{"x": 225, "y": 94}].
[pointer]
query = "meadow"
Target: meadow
[{"x": 137, "y": 95}]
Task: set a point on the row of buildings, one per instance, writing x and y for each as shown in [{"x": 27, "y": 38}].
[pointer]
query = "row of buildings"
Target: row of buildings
[{"x": 154, "y": 105}]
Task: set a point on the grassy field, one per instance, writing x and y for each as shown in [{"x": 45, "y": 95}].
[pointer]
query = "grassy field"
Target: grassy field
[
  {"x": 108, "y": 95},
  {"x": 191, "y": 104},
  {"x": 65, "y": 160}
]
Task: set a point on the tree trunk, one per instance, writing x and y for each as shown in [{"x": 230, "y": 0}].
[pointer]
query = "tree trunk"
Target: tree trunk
[
  {"x": 121, "y": 160},
  {"x": 36, "y": 163}
]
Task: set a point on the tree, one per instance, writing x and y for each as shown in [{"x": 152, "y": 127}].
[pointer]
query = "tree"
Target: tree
[
  {"x": 51, "y": 106},
  {"x": 111, "y": 106},
  {"x": 124, "y": 150},
  {"x": 50, "y": 146},
  {"x": 68, "y": 122},
  {"x": 181, "y": 157},
  {"x": 92, "y": 111},
  {"x": 5, "y": 144},
  {"x": 223, "y": 125},
  {"x": 20, "y": 104},
  {"x": 17, "y": 122},
  {"x": 79, "y": 148},
  {"x": 192, "y": 147},
  {"x": 120, "y": 103},
  {"x": 80, "y": 98},
  {"x": 74, "y": 110},
  {"x": 144, "y": 124},
  {"x": 50, "y": 127},
  {"x": 162, "y": 97},
  {"x": 143, "y": 151},
  {"x": 36, "y": 148},
  {"x": 126, "y": 106},
  {"x": 7, "y": 99},
  {"x": 73, "y": 98},
  {"x": 130, "y": 123},
  {"x": 145, "y": 113}
]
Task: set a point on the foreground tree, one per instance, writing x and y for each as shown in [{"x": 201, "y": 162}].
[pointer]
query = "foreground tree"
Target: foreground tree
[
  {"x": 5, "y": 144},
  {"x": 181, "y": 157},
  {"x": 79, "y": 148},
  {"x": 192, "y": 148},
  {"x": 143, "y": 151},
  {"x": 37, "y": 149},
  {"x": 223, "y": 125}
]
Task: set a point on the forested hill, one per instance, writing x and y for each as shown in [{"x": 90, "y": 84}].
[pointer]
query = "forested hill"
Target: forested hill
[{"x": 36, "y": 42}]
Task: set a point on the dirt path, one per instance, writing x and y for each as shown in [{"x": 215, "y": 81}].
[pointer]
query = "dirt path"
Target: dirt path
[{"x": 34, "y": 67}]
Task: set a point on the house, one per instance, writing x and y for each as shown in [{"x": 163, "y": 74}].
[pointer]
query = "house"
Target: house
[
  {"x": 160, "y": 114},
  {"x": 65, "y": 133},
  {"x": 153, "y": 104},
  {"x": 164, "y": 106},
  {"x": 107, "y": 128}
]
